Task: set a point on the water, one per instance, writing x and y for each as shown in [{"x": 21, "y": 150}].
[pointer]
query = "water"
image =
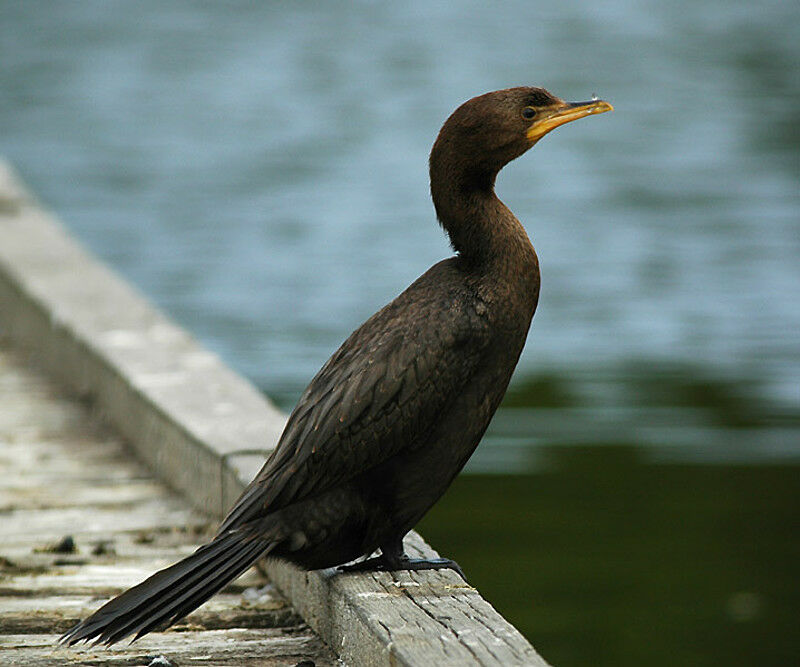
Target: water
[{"x": 260, "y": 172}]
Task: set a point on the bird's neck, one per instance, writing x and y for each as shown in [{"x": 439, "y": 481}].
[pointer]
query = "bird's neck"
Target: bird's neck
[{"x": 482, "y": 229}]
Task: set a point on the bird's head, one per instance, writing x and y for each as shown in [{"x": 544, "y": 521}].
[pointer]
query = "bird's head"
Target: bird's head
[{"x": 488, "y": 131}]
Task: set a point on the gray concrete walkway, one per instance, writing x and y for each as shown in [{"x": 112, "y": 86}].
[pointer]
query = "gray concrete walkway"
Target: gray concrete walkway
[{"x": 65, "y": 480}]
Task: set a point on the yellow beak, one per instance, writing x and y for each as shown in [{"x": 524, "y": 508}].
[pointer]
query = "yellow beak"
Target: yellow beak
[{"x": 550, "y": 119}]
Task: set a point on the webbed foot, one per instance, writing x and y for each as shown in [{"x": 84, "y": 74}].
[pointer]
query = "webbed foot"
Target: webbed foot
[{"x": 383, "y": 564}]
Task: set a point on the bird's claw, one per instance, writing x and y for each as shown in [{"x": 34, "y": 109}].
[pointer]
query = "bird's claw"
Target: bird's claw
[{"x": 380, "y": 564}]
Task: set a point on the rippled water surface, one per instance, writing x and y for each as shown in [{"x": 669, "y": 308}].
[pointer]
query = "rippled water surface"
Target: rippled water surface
[{"x": 260, "y": 172}]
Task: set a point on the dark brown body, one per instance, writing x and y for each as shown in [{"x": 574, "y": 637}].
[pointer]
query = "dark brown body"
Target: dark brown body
[
  {"x": 484, "y": 332},
  {"x": 393, "y": 416}
]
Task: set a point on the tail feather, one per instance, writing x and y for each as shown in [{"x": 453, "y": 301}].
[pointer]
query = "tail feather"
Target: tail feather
[
  {"x": 127, "y": 604},
  {"x": 198, "y": 593},
  {"x": 170, "y": 594},
  {"x": 162, "y": 609}
]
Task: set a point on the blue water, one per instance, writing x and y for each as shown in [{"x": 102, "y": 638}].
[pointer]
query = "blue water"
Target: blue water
[{"x": 260, "y": 172}]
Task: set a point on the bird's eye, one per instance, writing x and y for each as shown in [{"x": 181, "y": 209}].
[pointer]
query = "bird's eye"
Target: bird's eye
[{"x": 528, "y": 113}]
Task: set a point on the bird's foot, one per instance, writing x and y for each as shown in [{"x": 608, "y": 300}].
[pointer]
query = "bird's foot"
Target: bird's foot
[
  {"x": 431, "y": 564},
  {"x": 382, "y": 564}
]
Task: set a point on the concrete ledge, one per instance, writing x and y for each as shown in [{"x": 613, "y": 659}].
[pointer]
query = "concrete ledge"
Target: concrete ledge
[{"x": 206, "y": 431}]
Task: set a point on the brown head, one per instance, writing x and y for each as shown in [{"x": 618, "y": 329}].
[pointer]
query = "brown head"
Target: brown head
[
  {"x": 487, "y": 132},
  {"x": 479, "y": 139}
]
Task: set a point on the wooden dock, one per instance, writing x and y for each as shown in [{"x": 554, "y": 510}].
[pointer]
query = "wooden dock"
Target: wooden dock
[
  {"x": 92, "y": 376},
  {"x": 82, "y": 521}
]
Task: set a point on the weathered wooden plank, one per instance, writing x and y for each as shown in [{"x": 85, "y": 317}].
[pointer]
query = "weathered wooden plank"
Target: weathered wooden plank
[
  {"x": 37, "y": 614},
  {"x": 269, "y": 647},
  {"x": 161, "y": 542},
  {"x": 70, "y": 540},
  {"x": 25, "y": 496},
  {"x": 389, "y": 618},
  {"x": 87, "y": 457},
  {"x": 85, "y": 525},
  {"x": 83, "y": 575}
]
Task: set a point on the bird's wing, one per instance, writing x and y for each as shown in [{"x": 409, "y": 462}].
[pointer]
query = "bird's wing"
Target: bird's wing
[{"x": 379, "y": 393}]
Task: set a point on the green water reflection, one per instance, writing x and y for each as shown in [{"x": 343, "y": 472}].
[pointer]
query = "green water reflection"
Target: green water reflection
[
  {"x": 604, "y": 559},
  {"x": 672, "y": 411}
]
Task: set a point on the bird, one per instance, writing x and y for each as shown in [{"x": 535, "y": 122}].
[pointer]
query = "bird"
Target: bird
[{"x": 395, "y": 413}]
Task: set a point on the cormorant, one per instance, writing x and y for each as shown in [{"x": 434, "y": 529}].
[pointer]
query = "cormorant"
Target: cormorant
[{"x": 393, "y": 416}]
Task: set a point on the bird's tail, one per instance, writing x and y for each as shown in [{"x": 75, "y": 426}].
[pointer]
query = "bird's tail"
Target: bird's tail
[{"x": 172, "y": 593}]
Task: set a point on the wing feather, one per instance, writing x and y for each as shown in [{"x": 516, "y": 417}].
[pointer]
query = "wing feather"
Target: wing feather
[{"x": 379, "y": 393}]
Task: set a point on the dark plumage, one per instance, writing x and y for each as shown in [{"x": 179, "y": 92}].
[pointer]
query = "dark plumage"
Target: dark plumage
[{"x": 393, "y": 416}]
